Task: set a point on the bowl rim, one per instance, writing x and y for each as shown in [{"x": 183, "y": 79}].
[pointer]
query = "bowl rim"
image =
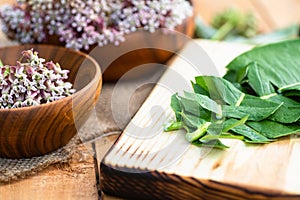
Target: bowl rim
[{"x": 96, "y": 78}]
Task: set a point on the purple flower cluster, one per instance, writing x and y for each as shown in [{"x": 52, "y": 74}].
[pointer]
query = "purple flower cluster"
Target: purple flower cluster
[
  {"x": 83, "y": 23},
  {"x": 31, "y": 82}
]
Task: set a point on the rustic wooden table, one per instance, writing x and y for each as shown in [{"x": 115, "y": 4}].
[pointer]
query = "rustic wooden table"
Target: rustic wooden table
[{"x": 80, "y": 179}]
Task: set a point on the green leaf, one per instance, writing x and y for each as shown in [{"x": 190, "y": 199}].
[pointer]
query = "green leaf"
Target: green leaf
[
  {"x": 219, "y": 89},
  {"x": 198, "y": 89},
  {"x": 192, "y": 107},
  {"x": 257, "y": 80},
  {"x": 254, "y": 107},
  {"x": 248, "y": 132},
  {"x": 289, "y": 112},
  {"x": 208, "y": 137},
  {"x": 199, "y": 132},
  {"x": 175, "y": 105},
  {"x": 192, "y": 121},
  {"x": 216, "y": 127},
  {"x": 1, "y": 64},
  {"x": 213, "y": 144},
  {"x": 204, "y": 101},
  {"x": 286, "y": 114},
  {"x": 274, "y": 130},
  {"x": 254, "y": 101},
  {"x": 253, "y": 113},
  {"x": 280, "y": 63},
  {"x": 229, "y": 124},
  {"x": 214, "y": 132}
]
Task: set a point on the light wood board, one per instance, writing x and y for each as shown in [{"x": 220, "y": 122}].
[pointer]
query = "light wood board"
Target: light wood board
[{"x": 145, "y": 160}]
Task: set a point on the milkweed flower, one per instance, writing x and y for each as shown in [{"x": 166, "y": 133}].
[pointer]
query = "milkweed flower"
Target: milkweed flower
[{"x": 32, "y": 81}]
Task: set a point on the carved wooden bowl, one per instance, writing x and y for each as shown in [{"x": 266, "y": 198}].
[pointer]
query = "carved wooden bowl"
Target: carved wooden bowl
[
  {"x": 37, "y": 130},
  {"x": 142, "y": 48},
  {"x": 139, "y": 48}
]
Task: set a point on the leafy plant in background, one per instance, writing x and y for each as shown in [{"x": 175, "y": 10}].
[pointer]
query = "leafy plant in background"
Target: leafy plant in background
[
  {"x": 257, "y": 101},
  {"x": 233, "y": 22},
  {"x": 81, "y": 24},
  {"x": 232, "y": 25}
]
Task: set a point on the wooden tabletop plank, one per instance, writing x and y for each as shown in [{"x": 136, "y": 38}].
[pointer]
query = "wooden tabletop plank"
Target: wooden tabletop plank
[
  {"x": 103, "y": 144},
  {"x": 76, "y": 180}
]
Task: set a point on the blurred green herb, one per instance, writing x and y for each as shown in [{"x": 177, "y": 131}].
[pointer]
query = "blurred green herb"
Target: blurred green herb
[
  {"x": 232, "y": 25},
  {"x": 233, "y": 22}
]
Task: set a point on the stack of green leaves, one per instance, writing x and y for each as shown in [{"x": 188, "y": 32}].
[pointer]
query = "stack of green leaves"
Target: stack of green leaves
[{"x": 257, "y": 101}]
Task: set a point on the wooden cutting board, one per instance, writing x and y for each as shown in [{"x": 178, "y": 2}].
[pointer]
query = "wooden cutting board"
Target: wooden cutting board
[{"x": 147, "y": 163}]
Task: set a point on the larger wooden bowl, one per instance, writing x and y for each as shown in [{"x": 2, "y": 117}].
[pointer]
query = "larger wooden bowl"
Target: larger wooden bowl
[
  {"x": 139, "y": 48},
  {"x": 37, "y": 130}
]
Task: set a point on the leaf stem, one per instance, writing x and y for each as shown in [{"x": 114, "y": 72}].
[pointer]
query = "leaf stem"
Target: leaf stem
[
  {"x": 289, "y": 86},
  {"x": 230, "y": 136},
  {"x": 238, "y": 103},
  {"x": 173, "y": 126},
  {"x": 223, "y": 31},
  {"x": 268, "y": 96}
]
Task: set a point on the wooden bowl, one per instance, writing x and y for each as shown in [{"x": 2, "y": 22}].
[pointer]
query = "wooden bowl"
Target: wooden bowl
[
  {"x": 139, "y": 48},
  {"x": 37, "y": 130}
]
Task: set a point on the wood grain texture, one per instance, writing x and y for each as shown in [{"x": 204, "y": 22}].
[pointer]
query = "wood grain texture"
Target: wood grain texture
[
  {"x": 37, "y": 130},
  {"x": 73, "y": 181},
  {"x": 165, "y": 166},
  {"x": 102, "y": 145}
]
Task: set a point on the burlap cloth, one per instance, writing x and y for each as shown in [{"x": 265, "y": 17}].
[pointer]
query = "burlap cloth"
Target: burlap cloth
[{"x": 101, "y": 123}]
